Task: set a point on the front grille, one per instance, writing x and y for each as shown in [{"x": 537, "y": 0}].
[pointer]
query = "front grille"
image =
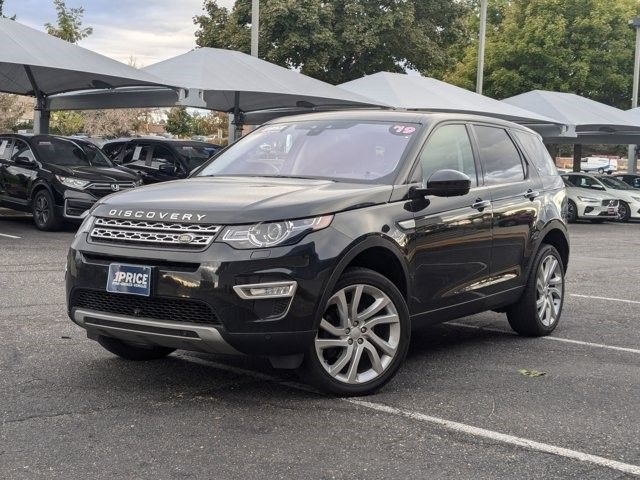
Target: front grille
[
  {"x": 162, "y": 234},
  {"x": 102, "y": 189},
  {"x": 156, "y": 308},
  {"x": 610, "y": 203}
]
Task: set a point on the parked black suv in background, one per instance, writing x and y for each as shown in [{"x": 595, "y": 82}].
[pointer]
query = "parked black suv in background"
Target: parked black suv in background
[
  {"x": 159, "y": 160},
  {"x": 57, "y": 179},
  {"x": 321, "y": 240}
]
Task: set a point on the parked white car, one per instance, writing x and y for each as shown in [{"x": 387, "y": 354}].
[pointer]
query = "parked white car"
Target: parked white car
[
  {"x": 629, "y": 197},
  {"x": 598, "y": 164},
  {"x": 589, "y": 204}
]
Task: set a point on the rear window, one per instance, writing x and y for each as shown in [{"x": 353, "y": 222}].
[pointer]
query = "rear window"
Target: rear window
[
  {"x": 537, "y": 153},
  {"x": 5, "y": 148}
]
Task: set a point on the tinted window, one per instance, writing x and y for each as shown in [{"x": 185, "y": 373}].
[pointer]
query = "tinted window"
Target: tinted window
[
  {"x": 112, "y": 150},
  {"x": 137, "y": 155},
  {"x": 537, "y": 153},
  {"x": 340, "y": 150},
  {"x": 59, "y": 151},
  {"x": 196, "y": 155},
  {"x": 615, "y": 183},
  {"x": 163, "y": 156},
  {"x": 583, "y": 181},
  {"x": 448, "y": 147},
  {"x": 500, "y": 157},
  {"x": 22, "y": 149},
  {"x": 5, "y": 148}
]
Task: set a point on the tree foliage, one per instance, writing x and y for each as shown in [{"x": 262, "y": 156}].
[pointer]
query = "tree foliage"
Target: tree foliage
[
  {"x": 11, "y": 110},
  {"x": 66, "y": 123},
  {"x": 178, "y": 121},
  {"x": 69, "y": 25},
  {"x": 340, "y": 40},
  {"x": 184, "y": 124},
  {"x": 2, "y": 15},
  {"x": 580, "y": 46}
]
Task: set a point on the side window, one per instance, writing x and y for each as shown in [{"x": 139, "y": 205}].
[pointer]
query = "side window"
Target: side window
[
  {"x": 500, "y": 157},
  {"x": 135, "y": 155},
  {"x": 163, "y": 156},
  {"x": 571, "y": 180},
  {"x": 537, "y": 153},
  {"x": 636, "y": 182},
  {"x": 448, "y": 147},
  {"x": 112, "y": 150},
  {"x": 5, "y": 148},
  {"x": 21, "y": 149}
]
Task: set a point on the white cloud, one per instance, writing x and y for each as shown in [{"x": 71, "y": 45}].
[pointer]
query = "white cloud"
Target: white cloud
[{"x": 147, "y": 30}]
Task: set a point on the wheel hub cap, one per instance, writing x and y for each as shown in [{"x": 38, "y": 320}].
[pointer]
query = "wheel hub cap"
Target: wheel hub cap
[
  {"x": 359, "y": 334},
  {"x": 549, "y": 290}
]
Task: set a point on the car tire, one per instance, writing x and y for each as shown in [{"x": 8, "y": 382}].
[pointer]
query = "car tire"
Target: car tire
[
  {"x": 601, "y": 171},
  {"x": 572, "y": 212},
  {"x": 357, "y": 354},
  {"x": 44, "y": 212},
  {"x": 133, "y": 352},
  {"x": 624, "y": 212},
  {"x": 538, "y": 310}
]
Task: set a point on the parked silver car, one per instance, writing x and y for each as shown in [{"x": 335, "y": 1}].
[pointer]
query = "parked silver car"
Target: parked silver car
[{"x": 587, "y": 204}]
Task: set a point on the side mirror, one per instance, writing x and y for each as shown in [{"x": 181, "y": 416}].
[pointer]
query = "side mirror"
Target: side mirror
[
  {"x": 167, "y": 169},
  {"x": 445, "y": 183},
  {"x": 597, "y": 187},
  {"x": 25, "y": 162}
]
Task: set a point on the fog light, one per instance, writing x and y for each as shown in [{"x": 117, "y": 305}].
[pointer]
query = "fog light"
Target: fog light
[{"x": 259, "y": 291}]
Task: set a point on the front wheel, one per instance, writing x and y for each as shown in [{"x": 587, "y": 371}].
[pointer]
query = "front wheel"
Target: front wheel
[
  {"x": 624, "y": 212},
  {"x": 44, "y": 212},
  {"x": 363, "y": 336},
  {"x": 572, "y": 212},
  {"x": 538, "y": 311}
]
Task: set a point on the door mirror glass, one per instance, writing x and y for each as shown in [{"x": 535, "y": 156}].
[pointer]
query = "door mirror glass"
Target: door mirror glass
[
  {"x": 448, "y": 183},
  {"x": 167, "y": 169}
]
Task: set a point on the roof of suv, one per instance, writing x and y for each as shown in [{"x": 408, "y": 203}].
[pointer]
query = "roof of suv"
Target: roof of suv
[{"x": 397, "y": 116}]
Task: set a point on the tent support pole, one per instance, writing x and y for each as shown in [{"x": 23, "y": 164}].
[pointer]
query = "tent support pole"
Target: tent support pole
[
  {"x": 41, "y": 113},
  {"x": 577, "y": 157},
  {"x": 238, "y": 119}
]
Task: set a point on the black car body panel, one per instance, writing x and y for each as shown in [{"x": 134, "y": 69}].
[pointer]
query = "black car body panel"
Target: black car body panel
[
  {"x": 19, "y": 181},
  {"x": 448, "y": 256}
]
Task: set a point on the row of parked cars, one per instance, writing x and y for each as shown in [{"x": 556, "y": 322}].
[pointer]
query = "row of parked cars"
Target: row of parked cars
[
  {"x": 58, "y": 179},
  {"x": 598, "y": 197}
]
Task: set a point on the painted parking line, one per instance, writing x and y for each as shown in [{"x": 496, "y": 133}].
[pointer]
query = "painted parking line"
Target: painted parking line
[
  {"x": 8, "y": 236},
  {"x": 441, "y": 422},
  {"x": 606, "y": 298},
  {"x": 554, "y": 339}
]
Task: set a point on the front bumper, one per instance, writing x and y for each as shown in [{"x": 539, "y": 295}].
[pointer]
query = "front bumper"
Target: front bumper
[
  {"x": 594, "y": 210},
  {"x": 182, "y": 279}
]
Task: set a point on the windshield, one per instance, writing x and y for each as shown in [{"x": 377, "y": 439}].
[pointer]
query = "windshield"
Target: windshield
[
  {"x": 196, "y": 155},
  {"x": 614, "y": 183},
  {"x": 339, "y": 150},
  {"x": 69, "y": 153}
]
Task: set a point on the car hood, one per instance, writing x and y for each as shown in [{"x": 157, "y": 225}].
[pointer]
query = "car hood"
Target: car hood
[
  {"x": 97, "y": 174},
  {"x": 628, "y": 196},
  {"x": 237, "y": 200},
  {"x": 573, "y": 193}
]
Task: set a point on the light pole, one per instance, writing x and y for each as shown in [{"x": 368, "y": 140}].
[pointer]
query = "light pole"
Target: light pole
[
  {"x": 481, "y": 41},
  {"x": 635, "y": 23},
  {"x": 255, "y": 26}
]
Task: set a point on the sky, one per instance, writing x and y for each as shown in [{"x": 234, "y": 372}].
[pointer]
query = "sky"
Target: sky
[{"x": 147, "y": 30}]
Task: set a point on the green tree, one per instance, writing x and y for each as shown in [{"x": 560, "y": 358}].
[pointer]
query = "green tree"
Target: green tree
[
  {"x": 580, "y": 46},
  {"x": 2, "y": 15},
  {"x": 66, "y": 123},
  {"x": 341, "y": 40},
  {"x": 69, "y": 26},
  {"x": 178, "y": 121}
]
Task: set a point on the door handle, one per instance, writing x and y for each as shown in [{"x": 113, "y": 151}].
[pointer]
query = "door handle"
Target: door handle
[
  {"x": 480, "y": 204},
  {"x": 531, "y": 194}
]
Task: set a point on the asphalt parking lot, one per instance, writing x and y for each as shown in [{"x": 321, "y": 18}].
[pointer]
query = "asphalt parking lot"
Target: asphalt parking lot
[{"x": 459, "y": 407}]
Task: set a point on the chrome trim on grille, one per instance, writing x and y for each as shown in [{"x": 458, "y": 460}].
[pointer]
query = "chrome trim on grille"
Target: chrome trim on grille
[
  {"x": 162, "y": 226},
  {"x": 131, "y": 232},
  {"x": 107, "y": 186}
]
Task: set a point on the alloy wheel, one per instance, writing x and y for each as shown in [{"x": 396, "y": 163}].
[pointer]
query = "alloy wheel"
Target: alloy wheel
[
  {"x": 622, "y": 211},
  {"x": 549, "y": 290},
  {"x": 359, "y": 334},
  {"x": 41, "y": 210}
]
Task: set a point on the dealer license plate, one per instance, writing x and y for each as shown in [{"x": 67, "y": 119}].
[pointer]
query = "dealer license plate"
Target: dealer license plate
[{"x": 131, "y": 279}]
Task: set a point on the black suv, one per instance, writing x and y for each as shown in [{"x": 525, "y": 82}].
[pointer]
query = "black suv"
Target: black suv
[
  {"x": 159, "y": 160},
  {"x": 56, "y": 178},
  {"x": 319, "y": 241}
]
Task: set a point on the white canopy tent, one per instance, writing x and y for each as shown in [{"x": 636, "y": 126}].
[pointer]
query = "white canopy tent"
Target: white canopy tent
[
  {"x": 40, "y": 65},
  {"x": 594, "y": 122},
  {"x": 415, "y": 92},
  {"x": 222, "y": 80}
]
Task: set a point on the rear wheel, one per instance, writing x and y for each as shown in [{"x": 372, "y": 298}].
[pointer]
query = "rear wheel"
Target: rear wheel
[
  {"x": 363, "y": 336},
  {"x": 538, "y": 311},
  {"x": 624, "y": 212},
  {"x": 572, "y": 212},
  {"x": 129, "y": 351},
  {"x": 44, "y": 212}
]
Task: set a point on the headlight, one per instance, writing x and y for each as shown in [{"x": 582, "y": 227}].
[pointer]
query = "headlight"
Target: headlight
[
  {"x": 72, "y": 182},
  {"x": 637, "y": 199},
  {"x": 588, "y": 199},
  {"x": 86, "y": 225},
  {"x": 273, "y": 234},
  {"x": 138, "y": 182}
]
